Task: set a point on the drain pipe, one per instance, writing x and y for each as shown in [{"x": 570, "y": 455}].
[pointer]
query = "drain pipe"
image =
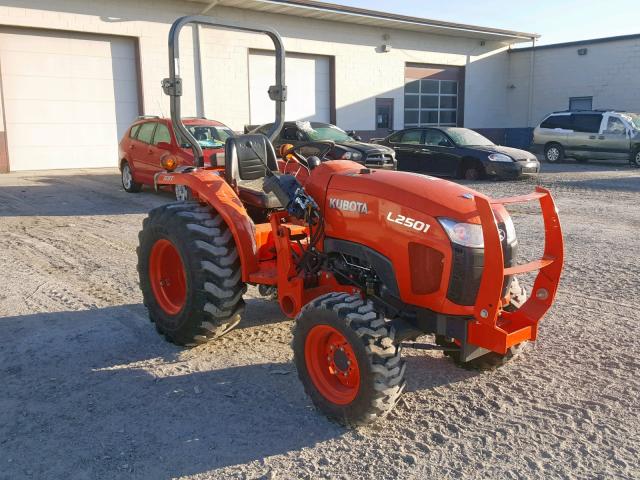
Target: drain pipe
[{"x": 531, "y": 77}]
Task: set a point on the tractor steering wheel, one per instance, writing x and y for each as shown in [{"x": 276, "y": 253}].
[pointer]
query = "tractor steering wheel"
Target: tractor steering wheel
[{"x": 324, "y": 147}]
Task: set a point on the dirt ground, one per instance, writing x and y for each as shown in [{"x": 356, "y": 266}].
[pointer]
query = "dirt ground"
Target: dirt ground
[{"x": 89, "y": 390}]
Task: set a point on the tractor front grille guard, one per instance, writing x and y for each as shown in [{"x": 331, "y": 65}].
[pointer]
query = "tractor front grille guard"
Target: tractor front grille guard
[
  {"x": 172, "y": 85},
  {"x": 493, "y": 328}
]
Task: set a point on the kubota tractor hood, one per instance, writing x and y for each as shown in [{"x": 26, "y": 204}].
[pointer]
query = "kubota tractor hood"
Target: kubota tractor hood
[{"x": 434, "y": 196}]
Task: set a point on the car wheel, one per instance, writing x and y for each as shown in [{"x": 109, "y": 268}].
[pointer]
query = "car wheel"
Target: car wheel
[
  {"x": 128, "y": 183},
  {"x": 472, "y": 171},
  {"x": 183, "y": 193},
  {"x": 553, "y": 153},
  {"x": 635, "y": 158}
]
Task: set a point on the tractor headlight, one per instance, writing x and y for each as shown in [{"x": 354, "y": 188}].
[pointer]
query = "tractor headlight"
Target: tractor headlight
[
  {"x": 500, "y": 157},
  {"x": 466, "y": 234}
]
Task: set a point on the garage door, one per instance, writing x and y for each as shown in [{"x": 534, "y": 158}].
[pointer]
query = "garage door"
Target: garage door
[
  {"x": 433, "y": 95},
  {"x": 308, "y": 87},
  {"x": 67, "y": 97}
]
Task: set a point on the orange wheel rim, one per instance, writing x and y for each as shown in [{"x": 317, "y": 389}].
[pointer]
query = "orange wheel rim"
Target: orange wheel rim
[
  {"x": 332, "y": 364},
  {"x": 167, "y": 275}
]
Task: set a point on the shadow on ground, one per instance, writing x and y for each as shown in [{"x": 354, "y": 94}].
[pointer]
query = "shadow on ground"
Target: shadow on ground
[
  {"x": 72, "y": 195},
  {"x": 100, "y": 394}
]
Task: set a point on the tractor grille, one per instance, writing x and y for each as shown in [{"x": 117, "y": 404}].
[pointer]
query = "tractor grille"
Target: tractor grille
[
  {"x": 426, "y": 268},
  {"x": 466, "y": 271}
]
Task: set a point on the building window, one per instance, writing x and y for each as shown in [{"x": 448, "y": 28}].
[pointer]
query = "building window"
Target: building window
[
  {"x": 430, "y": 103},
  {"x": 580, "y": 103},
  {"x": 384, "y": 113}
]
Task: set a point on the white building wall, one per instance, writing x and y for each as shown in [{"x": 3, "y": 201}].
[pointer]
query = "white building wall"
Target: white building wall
[
  {"x": 485, "y": 90},
  {"x": 609, "y": 72},
  {"x": 362, "y": 73}
]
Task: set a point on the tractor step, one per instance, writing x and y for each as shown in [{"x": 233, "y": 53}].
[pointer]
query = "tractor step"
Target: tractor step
[{"x": 428, "y": 346}]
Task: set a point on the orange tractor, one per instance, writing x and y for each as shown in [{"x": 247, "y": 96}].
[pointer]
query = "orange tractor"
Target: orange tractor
[{"x": 366, "y": 261}]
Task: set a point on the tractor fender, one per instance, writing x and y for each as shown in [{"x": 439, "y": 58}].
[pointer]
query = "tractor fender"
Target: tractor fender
[{"x": 211, "y": 187}]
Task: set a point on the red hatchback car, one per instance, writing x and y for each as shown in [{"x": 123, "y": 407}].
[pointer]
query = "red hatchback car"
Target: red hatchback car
[{"x": 151, "y": 138}]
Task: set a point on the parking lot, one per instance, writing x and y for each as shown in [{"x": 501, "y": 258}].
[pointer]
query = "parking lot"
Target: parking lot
[{"x": 90, "y": 390}]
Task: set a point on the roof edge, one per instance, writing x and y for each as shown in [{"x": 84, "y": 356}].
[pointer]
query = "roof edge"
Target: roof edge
[
  {"x": 344, "y": 9},
  {"x": 616, "y": 38}
]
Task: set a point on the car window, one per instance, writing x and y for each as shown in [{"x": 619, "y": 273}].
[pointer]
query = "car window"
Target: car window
[
  {"x": 436, "y": 138},
  {"x": 210, "y": 136},
  {"x": 134, "y": 131},
  {"x": 557, "y": 121},
  {"x": 319, "y": 132},
  {"x": 145, "y": 134},
  {"x": 162, "y": 134},
  {"x": 633, "y": 119},
  {"x": 588, "y": 123},
  {"x": 412, "y": 136},
  {"x": 464, "y": 137},
  {"x": 395, "y": 138},
  {"x": 616, "y": 126}
]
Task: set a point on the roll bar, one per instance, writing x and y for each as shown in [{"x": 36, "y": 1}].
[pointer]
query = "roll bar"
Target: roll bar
[{"x": 172, "y": 86}]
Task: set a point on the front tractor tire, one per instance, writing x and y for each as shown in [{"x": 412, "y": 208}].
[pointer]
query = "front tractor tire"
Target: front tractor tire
[
  {"x": 347, "y": 358},
  {"x": 189, "y": 273}
]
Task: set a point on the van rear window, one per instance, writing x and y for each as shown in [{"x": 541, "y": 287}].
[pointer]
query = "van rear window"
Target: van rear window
[{"x": 557, "y": 121}]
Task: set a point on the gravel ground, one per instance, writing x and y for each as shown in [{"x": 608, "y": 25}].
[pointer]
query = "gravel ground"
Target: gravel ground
[{"x": 89, "y": 390}]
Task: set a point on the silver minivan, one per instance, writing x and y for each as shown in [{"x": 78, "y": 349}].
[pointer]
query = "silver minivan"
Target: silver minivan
[{"x": 585, "y": 135}]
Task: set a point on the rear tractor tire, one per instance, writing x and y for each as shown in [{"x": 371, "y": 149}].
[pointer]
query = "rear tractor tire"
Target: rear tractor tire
[
  {"x": 347, "y": 358},
  {"x": 491, "y": 360},
  {"x": 190, "y": 273}
]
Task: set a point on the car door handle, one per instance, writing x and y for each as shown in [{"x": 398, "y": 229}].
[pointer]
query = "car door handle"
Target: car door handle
[
  {"x": 592, "y": 137},
  {"x": 601, "y": 137},
  {"x": 425, "y": 150},
  {"x": 131, "y": 147}
]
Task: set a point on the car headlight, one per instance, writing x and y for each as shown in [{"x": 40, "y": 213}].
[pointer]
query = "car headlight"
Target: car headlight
[
  {"x": 500, "y": 157},
  {"x": 351, "y": 156},
  {"x": 510, "y": 229},
  {"x": 465, "y": 234}
]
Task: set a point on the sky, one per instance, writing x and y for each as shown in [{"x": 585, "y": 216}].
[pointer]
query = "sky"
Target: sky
[{"x": 556, "y": 20}]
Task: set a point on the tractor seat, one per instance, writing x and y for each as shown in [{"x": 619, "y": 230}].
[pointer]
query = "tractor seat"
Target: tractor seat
[{"x": 246, "y": 170}]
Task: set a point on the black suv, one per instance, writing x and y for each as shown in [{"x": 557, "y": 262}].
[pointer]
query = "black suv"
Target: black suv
[{"x": 348, "y": 147}]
